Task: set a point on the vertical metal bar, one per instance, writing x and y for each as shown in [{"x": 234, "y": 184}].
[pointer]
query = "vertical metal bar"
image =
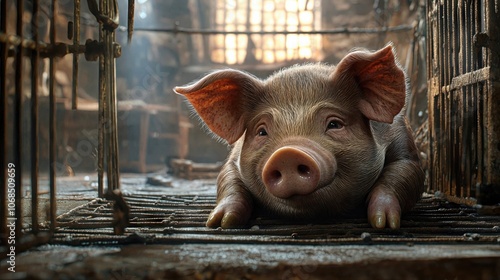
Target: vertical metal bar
[
  {"x": 18, "y": 109},
  {"x": 34, "y": 117},
  {"x": 479, "y": 103},
  {"x": 114, "y": 114},
  {"x": 110, "y": 178},
  {"x": 76, "y": 56},
  {"x": 3, "y": 125},
  {"x": 130, "y": 20},
  {"x": 52, "y": 121},
  {"x": 450, "y": 101},
  {"x": 442, "y": 109},
  {"x": 112, "y": 143},
  {"x": 429, "y": 12},
  {"x": 458, "y": 98},
  {"x": 492, "y": 101},
  {"x": 101, "y": 117}
]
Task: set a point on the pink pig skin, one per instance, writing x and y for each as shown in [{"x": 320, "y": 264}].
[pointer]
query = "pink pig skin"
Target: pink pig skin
[{"x": 312, "y": 141}]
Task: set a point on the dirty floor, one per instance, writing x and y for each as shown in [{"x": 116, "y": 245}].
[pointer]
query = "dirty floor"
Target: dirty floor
[{"x": 167, "y": 240}]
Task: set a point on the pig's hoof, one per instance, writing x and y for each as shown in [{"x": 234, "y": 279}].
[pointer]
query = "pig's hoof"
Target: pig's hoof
[
  {"x": 384, "y": 209},
  {"x": 230, "y": 213}
]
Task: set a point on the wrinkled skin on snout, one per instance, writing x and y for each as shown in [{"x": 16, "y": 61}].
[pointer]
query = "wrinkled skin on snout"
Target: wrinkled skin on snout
[{"x": 312, "y": 141}]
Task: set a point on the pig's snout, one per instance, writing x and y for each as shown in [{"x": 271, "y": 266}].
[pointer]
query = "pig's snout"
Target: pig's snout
[{"x": 292, "y": 171}]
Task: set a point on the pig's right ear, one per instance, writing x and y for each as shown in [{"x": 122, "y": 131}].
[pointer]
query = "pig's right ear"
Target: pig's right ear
[{"x": 219, "y": 99}]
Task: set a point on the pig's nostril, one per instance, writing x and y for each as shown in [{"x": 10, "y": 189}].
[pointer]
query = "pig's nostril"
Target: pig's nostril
[
  {"x": 276, "y": 175},
  {"x": 303, "y": 169}
]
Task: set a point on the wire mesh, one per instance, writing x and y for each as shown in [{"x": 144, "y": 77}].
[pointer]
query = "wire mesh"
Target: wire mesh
[{"x": 178, "y": 219}]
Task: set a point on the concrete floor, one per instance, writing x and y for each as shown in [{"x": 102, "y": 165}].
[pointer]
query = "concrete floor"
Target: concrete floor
[{"x": 241, "y": 261}]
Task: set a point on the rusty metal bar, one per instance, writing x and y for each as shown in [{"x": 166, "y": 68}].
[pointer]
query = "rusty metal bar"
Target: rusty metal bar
[
  {"x": 343, "y": 30},
  {"x": 492, "y": 106},
  {"x": 91, "y": 49},
  {"x": 3, "y": 126},
  {"x": 35, "y": 57},
  {"x": 130, "y": 20},
  {"x": 107, "y": 16},
  {"x": 102, "y": 116},
  {"x": 52, "y": 123},
  {"x": 107, "y": 99},
  {"x": 76, "y": 42},
  {"x": 468, "y": 79},
  {"x": 109, "y": 127},
  {"x": 113, "y": 173},
  {"x": 18, "y": 127}
]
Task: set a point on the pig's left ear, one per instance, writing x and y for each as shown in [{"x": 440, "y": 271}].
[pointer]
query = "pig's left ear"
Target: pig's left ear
[
  {"x": 219, "y": 99},
  {"x": 380, "y": 79}
]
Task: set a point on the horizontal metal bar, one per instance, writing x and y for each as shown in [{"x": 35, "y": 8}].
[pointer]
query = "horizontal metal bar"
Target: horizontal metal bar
[
  {"x": 470, "y": 78},
  {"x": 341, "y": 30},
  {"x": 16, "y": 41},
  {"x": 58, "y": 49}
]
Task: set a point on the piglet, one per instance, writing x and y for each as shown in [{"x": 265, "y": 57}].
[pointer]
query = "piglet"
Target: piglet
[{"x": 312, "y": 141}]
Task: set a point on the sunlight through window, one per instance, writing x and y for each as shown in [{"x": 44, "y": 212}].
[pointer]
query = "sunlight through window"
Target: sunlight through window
[{"x": 268, "y": 16}]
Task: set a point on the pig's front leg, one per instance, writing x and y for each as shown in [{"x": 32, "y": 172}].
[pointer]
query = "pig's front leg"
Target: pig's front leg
[
  {"x": 234, "y": 202},
  {"x": 399, "y": 186}
]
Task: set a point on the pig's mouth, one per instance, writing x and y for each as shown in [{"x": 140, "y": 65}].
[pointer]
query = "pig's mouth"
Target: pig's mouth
[{"x": 311, "y": 205}]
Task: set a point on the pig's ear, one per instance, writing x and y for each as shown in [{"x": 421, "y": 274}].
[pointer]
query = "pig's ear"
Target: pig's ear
[
  {"x": 380, "y": 79},
  {"x": 219, "y": 99}
]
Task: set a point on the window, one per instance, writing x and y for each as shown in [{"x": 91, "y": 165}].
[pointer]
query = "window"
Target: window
[{"x": 265, "y": 16}]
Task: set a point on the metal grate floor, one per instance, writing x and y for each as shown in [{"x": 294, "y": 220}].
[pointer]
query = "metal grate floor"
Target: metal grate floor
[{"x": 180, "y": 219}]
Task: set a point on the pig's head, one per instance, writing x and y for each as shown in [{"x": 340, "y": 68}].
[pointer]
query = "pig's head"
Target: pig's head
[{"x": 304, "y": 135}]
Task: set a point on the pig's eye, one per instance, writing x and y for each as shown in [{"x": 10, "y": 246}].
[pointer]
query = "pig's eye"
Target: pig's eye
[
  {"x": 334, "y": 124},
  {"x": 261, "y": 131}
]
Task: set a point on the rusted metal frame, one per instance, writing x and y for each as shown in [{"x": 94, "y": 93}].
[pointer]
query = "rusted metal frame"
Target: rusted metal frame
[
  {"x": 102, "y": 124},
  {"x": 107, "y": 16},
  {"x": 492, "y": 102},
  {"x": 478, "y": 103},
  {"x": 17, "y": 122},
  {"x": 52, "y": 123},
  {"x": 108, "y": 135},
  {"x": 437, "y": 129},
  {"x": 451, "y": 104},
  {"x": 48, "y": 50},
  {"x": 466, "y": 92},
  {"x": 35, "y": 59},
  {"x": 115, "y": 156},
  {"x": 109, "y": 60},
  {"x": 3, "y": 125},
  {"x": 432, "y": 46},
  {"x": 130, "y": 20},
  {"x": 469, "y": 151},
  {"x": 15, "y": 40},
  {"x": 461, "y": 110},
  {"x": 441, "y": 107},
  {"x": 76, "y": 57},
  {"x": 343, "y": 30},
  {"x": 470, "y": 78}
]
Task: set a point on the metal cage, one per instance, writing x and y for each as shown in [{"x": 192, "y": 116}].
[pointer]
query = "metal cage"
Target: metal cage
[
  {"x": 34, "y": 44},
  {"x": 463, "y": 53}
]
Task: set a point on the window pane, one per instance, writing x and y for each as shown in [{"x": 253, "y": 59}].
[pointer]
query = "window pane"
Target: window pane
[{"x": 268, "y": 16}]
